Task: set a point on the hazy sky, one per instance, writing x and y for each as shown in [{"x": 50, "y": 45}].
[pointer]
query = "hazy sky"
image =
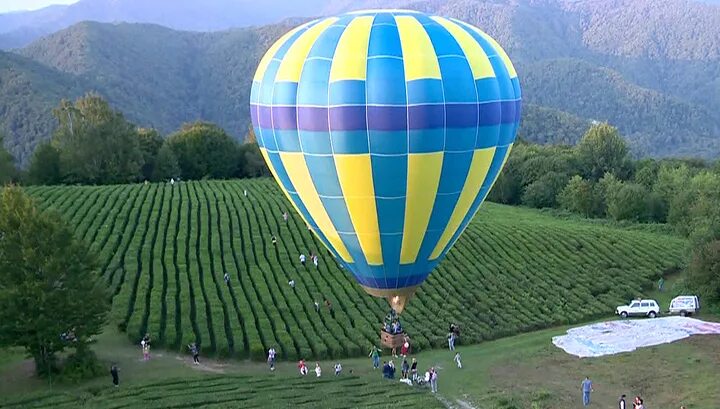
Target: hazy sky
[{"x": 14, "y": 5}]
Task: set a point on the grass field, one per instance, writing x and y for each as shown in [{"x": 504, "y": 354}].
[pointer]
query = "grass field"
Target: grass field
[
  {"x": 164, "y": 249},
  {"x": 519, "y": 372}
]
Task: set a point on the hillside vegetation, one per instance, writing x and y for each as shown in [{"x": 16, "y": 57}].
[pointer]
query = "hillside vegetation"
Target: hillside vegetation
[{"x": 164, "y": 249}]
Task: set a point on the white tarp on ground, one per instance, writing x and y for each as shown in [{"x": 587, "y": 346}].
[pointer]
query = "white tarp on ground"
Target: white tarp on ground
[{"x": 613, "y": 337}]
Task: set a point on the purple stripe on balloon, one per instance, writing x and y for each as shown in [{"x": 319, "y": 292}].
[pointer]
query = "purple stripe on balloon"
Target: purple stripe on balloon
[{"x": 386, "y": 118}]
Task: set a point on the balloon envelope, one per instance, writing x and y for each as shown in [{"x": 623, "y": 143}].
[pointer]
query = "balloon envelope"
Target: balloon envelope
[{"x": 386, "y": 129}]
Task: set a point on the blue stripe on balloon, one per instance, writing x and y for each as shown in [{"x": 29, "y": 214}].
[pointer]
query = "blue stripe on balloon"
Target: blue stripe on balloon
[
  {"x": 488, "y": 136},
  {"x": 452, "y": 179},
  {"x": 390, "y": 183},
  {"x": 324, "y": 176},
  {"x": 425, "y": 91},
  {"x": 488, "y": 89},
  {"x": 317, "y": 143},
  {"x": 313, "y": 86},
  {"x": 287, "y": 140},
  {"x": 427, "y": 140},
  {"x": 390, "y": 142},
  {"x": 350, "y": 142},
  {"x": 347, "y": 92},
  {"x": 385, "y": 82},
  {"x": 285, "y": 93},
  {"x": 460, "y": 139},
  {"x": 267, "y": 136},
  {"x": 457, "y": 71},
  {"x": 384, "y": 37}
]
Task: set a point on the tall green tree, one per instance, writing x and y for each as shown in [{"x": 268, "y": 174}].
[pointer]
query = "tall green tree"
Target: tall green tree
[
  {"x": 49, "y": 283},
  {"x": 603, "y": 150},
  {"x": 204, "y": 150},
  {"x": 96, "y": 143},
  {"x": 166, "y": 164},
  {"x": 8, "y": 173},
  {"x": 45, "y": 165},
  {"x": 544, "y": 191},
  {"x": 579, "y": 196},
  {"x": 704, "y": 270},
  {"x": 150, "y": 142},
  {"x": 628, "y": 202}
]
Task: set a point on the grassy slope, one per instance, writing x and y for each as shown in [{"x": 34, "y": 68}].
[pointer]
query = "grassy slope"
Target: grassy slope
[{"x": 164, "y": 251}]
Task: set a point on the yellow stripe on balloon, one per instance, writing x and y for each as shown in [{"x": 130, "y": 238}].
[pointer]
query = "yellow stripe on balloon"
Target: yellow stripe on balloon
[
  {"x": 292, "y": 64},
  {"x": 419, "y": 58},
  {"x": 350, "y": 59},
  {"x": 503, "y": 55},
  {"x": 356, "y": 181},
  {"x": 479, "y": 166},
  {"x": 280, "y": 184},
  {"x": 478, "y": 60},
  {"x": 299, "y": 175},
  {"x": 270, "y": 54},
  {"x": 422, "y": 184}
]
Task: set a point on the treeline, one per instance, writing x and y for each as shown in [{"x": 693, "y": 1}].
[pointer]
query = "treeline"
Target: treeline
[
  {"x": 597, "y": 178},
  {"x": 94, "y": 144}
]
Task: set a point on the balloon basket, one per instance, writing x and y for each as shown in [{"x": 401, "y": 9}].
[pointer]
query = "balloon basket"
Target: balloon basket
[{"x": 391, "y": 341}]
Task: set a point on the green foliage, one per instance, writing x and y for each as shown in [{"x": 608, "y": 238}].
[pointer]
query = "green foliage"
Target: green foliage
[
  {"x": 48, "y": 282},
  {"x": 704, "y": 271},
  {"x": 603, "y": 150},
  {"x": 544, "y": 191},
  {"x": 204, "y": 150},
  {"x": 628, "y": 202},
  {"x": 150, "y": 143},
  {"x": 96, "y": 143},
  {"x": 45, "y": 166},
  {"x": 166, "y": 164},
  {"x": 579, "y": 196},
  {"x": 81, "y": 365}
]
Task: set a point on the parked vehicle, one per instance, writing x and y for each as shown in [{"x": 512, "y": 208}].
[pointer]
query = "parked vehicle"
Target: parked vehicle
[
  {"x": 685, "y": 305},
  {"x": 639, "y": 308}
]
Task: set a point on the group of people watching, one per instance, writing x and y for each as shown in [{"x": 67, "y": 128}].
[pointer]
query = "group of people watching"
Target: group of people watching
[{"x": 392, "y": 323}]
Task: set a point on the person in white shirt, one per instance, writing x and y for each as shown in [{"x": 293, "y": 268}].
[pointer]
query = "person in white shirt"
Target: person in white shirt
[
  {"x": 338, "y": 369},
  {"x": 302, "y": 259},
  {"x": 271, "y": 358},
  {"x": 457, "y": 360},
  {"x": 292, "y": 284},
  {"x": 318, "y": 371}
]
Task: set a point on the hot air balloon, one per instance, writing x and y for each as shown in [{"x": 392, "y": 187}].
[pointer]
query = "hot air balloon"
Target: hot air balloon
[{"x": 386, "y": 130}]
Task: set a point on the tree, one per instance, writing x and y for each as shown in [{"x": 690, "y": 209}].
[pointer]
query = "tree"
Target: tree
[
  {"x": 45, "y": 165},
  {"x": 544, "y": 191},
  {"x": 150, "y": 142},
  {"x": 252, "y": 164},
  {"x": 603, "y": 150},
  {"x": 629, "y": 202},
  {"x": 166, "y": 165},
  {"x": 49, "y": 284},
  {"x": 8, "y": 173},
  {"x": 704, "y": 271},
  {"x": 579, "y": 196},
  {"x": 204, "y": 150},
  {"x": 96, "y": 143}
]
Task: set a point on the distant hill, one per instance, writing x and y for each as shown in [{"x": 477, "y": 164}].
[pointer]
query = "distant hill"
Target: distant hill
[
  {"x": 20, "y": 28},
  {"x": 650, "y": 68}
]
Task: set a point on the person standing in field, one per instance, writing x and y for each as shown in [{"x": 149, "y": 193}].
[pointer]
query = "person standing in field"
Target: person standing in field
[
  {"x": 302, "y": 259},
  {"x": 274, "y": 240},
  {"x": 114, "y": 374},
  {"x": 587, "y": 388},
  {"x": 413, "y": 369},
  {"x": 292, "y": 284},
  {"x": 315, "y": 260},
  {"x": 621, "y": 402},
  {"x": 226, "y": 277},
  {"x": 285, "y": 216},
  {"x": 195, "y": 351},
  {"x": 661, "y": 283},
  {"x": 318, "y": 370},
  {"x": 302, "y": 367},
  {"x": 271, "y": 358},
  {"x": 457, "y": 360},
  {"x": 338, "y": 369},
  {"x": 245, "y": 192},
  {"x": 317, "y": 306},
  {"x": 375, "y": 355},
  {"x": 405, "y": 368},
  {"x": 451, "y": 341},
  {"x": 433, "y": 380}
]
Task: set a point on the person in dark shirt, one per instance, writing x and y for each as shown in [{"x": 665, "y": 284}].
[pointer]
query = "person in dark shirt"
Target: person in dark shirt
[
  {"x": 115, "y": 377},
  {"x": 413, "y": 369},
  {"x": 386, "y": 370},
  {"x": 621, "y": 402}
]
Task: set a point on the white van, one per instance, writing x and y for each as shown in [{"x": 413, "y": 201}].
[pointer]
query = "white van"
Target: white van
[{"x": 685, "y": 305}]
